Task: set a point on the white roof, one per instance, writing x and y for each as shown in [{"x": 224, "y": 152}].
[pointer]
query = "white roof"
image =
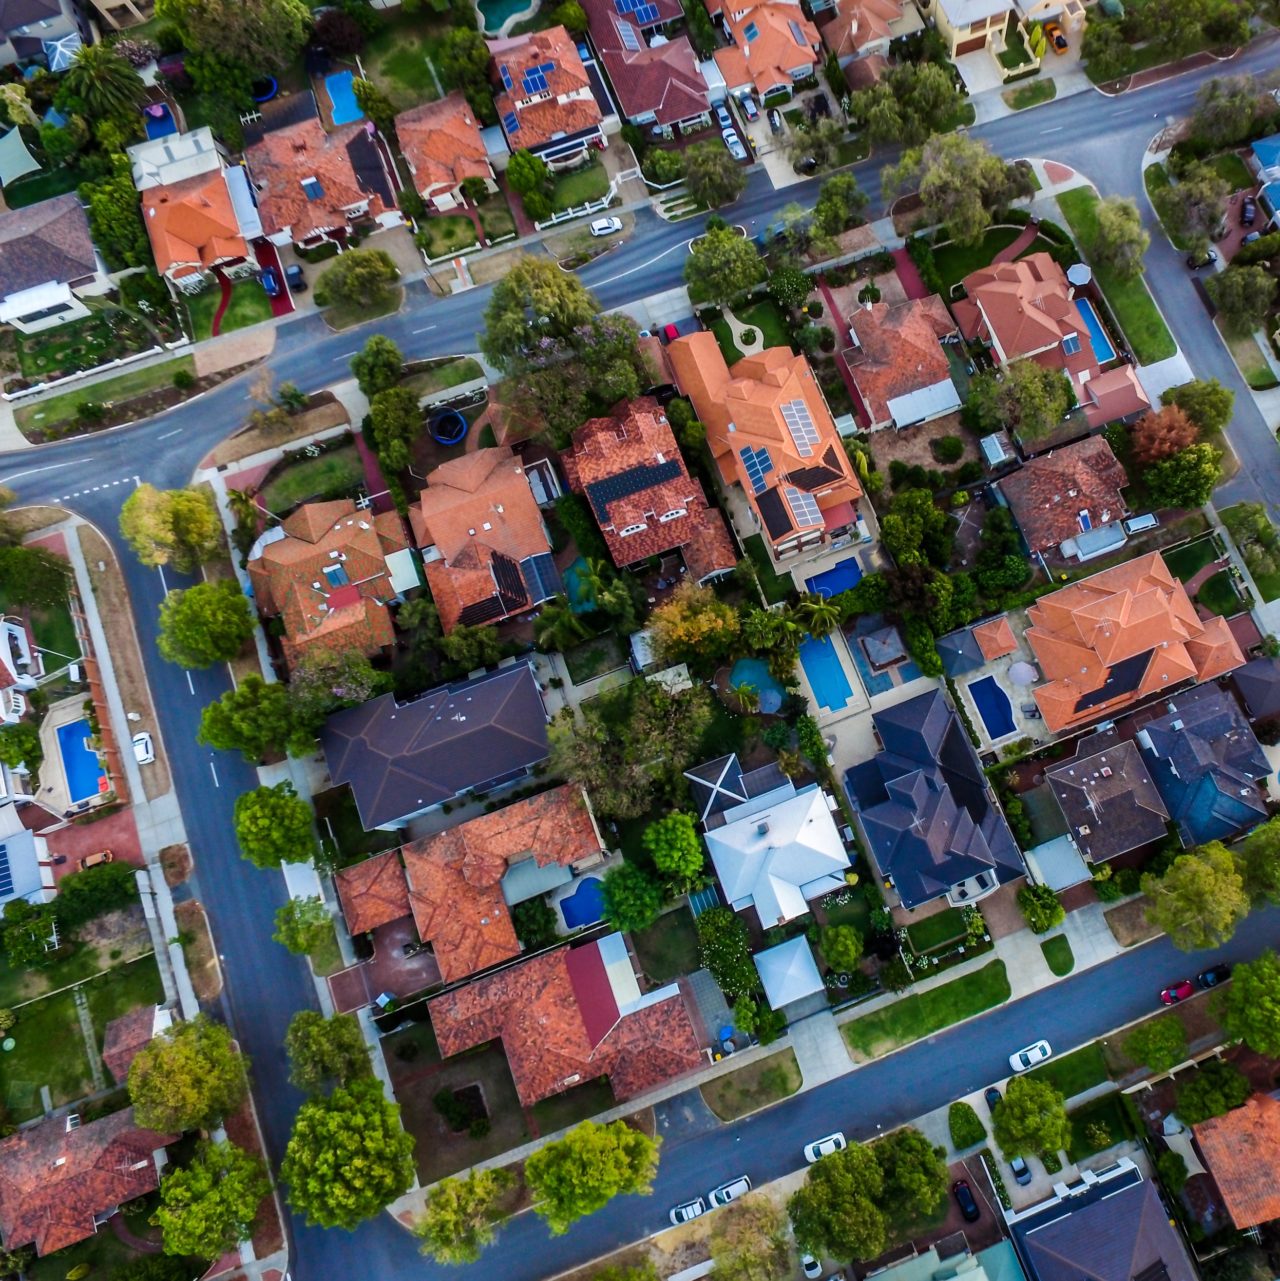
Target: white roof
[
  {"x": 242, "y": 201},
  {"x": 924, "y": 403},
  {"x": 15, "y": 159},
  {"x": 960, "y": 13},
  {"x": 159, "y": 162},
  {"x": 993, "y": 449},
  {"x": 675, "y": 680},
  {"x": 403, "y": 568},
  {"x": 642, "y": 649},
  {"x": 788, "y": 972},
  {"x": 776, "y": 852},
  {"x": 37, "y": 298}
]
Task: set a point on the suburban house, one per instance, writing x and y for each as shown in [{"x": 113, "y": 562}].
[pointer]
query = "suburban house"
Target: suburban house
[
  {"x": 1113, "y": 640},
  {"x": 373, "y": 893},
  {"x": 195, "y": 230},
  {"x": 404, "y": 759},
  {"x": 484, "y": 546},
  {"x": 773, "y": 45},
  {"x": 312, "y": 186},
  {"x": 924, "y": 806},
  {"x": 1107, "y": 797},
  {"x": 1264, "y": 160},
  {"x": 996, "y": 1263},
  {"x": 1069, "y": 500},
  {"x": 28, "y": 27},
  {"x": 863, "y": 28},
  {"x": 30, "y": 873},
  {"x": 571, "y": 1016},
  {"x": 898, "y": 363},
  {"x": 545, "y": 103},
  {"x": 119, "y": 14},
  {"x": 442, "y": 145},
  {"x": 48, "y": 265},
  {"x": 974, "y": 647},
  {"x": 60, "y": 1180},
  {"x": 970, "y": 25},
  {"x": 123, "y": 1037},
  {"x": 1242, "y": 1152},
  {"x": 1028, "y": 310},
  {"x": 631, "y": 471},
  {"x": 1257, "y": 686},
  {"x": 772, "y": 435},
  {"x": 328, "y": 572},
  {"x": 1207, "y": 764}
]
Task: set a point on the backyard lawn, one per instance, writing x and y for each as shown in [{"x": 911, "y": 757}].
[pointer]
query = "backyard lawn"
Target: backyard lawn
[
  {"x": 43, "y": 186},
  {"x": 331, "y": 475},
  {"x": 768, "y": 320},
  {"x": 446, "y": 234},
  {"x": 955, "y": 262},
  {"x": 1074, "y": 1073},
  {"x": 594, "y": 657},
  {"x": 340, "y": 827},
  {"x": 589, "y": 183},
  {"x": 248, "y": 306},
  {"x": 937, "y": 930},
  {"x": 57, "y": 410},
  {"x": 49, "y": 1051},
  {"x": 1219, "y": 595},
  {"x": 669, "y": 947},
  {"x": 52, "y": 627},
  {"x": 123, "y": 989},
  {"x": 1106, "y": 1111},
  {"x": 1233, "y": 171},
  {"x": 1057, "y": 952},
  {"x": 398, "y": 59},
  {"x": 1135, "y": 310},
  {"x": 766, "y": 1081},
  {"x": 1184, "y": 562},
  {"x": 776, "y": 587}
]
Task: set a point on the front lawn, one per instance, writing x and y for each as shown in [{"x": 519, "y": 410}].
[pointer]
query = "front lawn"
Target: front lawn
[
  {"x": 341, "y": 831},
  {"x": 1184, "y": 562},
  {"x": 1057, "y": 952},
  {"x": 1219, "y": 595},
  {"x": 776, "y": 587},
  {"x": 1239, "y": 521},
  {"x": 101, "y": 1255},
  {"x": 1076, "y": 1072},
  {"x": 668, "y": 949},
  {"x": 345, "y": 315},
  {"x": 580, "y": 187},
  {"x": 442, "y": 376},
  {"x": 496, "y": 218},
  {"x": 724, "y": 336},
  {"x": 1030, "y": 95},
  {"x": 955, "y": 262},
  {"x": 1252, "y": 363},
  {"x": 766, "y": 1081},
  {"x": 47, "y": 415},
  {"x": 921, "y": 1014},
  {"x": 767, "y": 318},
  {"x": 82, "y": 344},
  {"x": 938, "y": 930},
  {"x": 1233, "y": 171},
  {"x": 331, "y": 475},
  {"x": 249, "y": 305},
  {"x": 1134, "y": 308},
  {"x": 445, "y": 234},
  {"x": 51, "y": 626},
  {"x": 584, "y": 1101},
  {"x": 1107, "y": 1112}
]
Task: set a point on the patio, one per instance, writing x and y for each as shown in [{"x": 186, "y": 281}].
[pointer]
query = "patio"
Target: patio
[
  {"x": 388, "y": 970},
  {"x": 1014, "y": 675}
]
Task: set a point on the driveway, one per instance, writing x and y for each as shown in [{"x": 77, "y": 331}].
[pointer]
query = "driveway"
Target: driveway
[{"x": 979, "y": 71}]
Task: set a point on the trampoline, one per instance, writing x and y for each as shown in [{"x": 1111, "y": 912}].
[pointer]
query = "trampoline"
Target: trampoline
[
  {"x": 265, "y": 89},
  {"x": 448, "y": 427}
]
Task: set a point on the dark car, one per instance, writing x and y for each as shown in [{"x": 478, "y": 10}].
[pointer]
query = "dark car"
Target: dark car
[
  {"x": 775, "y": 120},
  {"x": 1021, "y": 1171},
  {"x": 1178, "y": 991},
  {"x": 808, "y": 165},
  {"x": 1209, "y": 258},
  {"x": 271, "y": 282},
  {"x": 964, "y": 1199},
  {"x": 1214, "y": 976},
  {"x": 992, "y": 1096},
  {"x": 296, "y": 280},
  {"x": 1248, "y": 211}
]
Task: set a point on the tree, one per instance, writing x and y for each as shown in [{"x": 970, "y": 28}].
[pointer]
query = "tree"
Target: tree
[
  {"x": 1161, "y": 433},
  {"x": 1206, "y": 402},
  {"x": 839, "y": 205},
  {"x": 472, "y": 647},
  {"x": 378, "y": 366},
  {"x": 28, "y": 932},
  {"x": 789, "y": 287},
  {"x": 535, "y": 301},
  {"x": 358, "y": 278},
  {"x": 348, "y": 1156},
  {"x": 187, "y": 1079},
  {"x": 724, "y": 948},
  {"x": 1214, "y": 1090},
  {"x": 693, "y": 624},
  {"x": 33, "y": 576},
  {"x": 325, "y": 1052},
  {"x": 914, "y": 1172},
  {"x": 722, "y": 264},
  {"x": 1171, "y": 1166},
  {"x": 1030, "y": 1118},
  {"x": 259, "y": 33},
  {"x": 253, "y": 719},
  {"x": 1200, "y": 900},
  {"x": 275, "y": 825},
  {"x": 62, "y": 142},
  {"x": 911, "y": 101},
  {"x": 152, "y": 1267},
  {"x": 673, "y": 844},
  {"x": 836, "y": 1212},
  {"x": 581, "y": 1173},
  {"x": 1258, "y": 858},
  {"x": 338, "y": 32},
  {"x": 394, "y": 423},
  {"x": 819, "y": 615},
  {"x": 570, "y": 15},
  {"x": 462, "y": 1215},
  {"x": 205, "y": 624},
  {"x": 103, "y": 84},
  {"x": 1160, "y": 1043},
  {"x": 303, "y": 925},
  {"x": 1225, "y": 110},
  {"x": 1187, "y": 479},
  {"x": 1121, "y": 240},
  {"x": 1243, "y": 296},
  {"x": 324, "y": 680},
  {"x": 915, "y": 531},
  {"x": 208, "y": 1206},
  {"x": 93, "y": 891},
  {"x": 527, "y": 173},
  {"x": 1033, "y": 399},
  {"x": 1249, "y": 1008},
  {"x": 816, "y": 147},
  {"x": 114, "y": 217},
  {"x": 178, "y": 527},
  {"x": 464, "y": 63},
  {"x": 713, "y": 177},
  {"x": 748, "y": 1242},
  {"x": 1042, "y": 908},
  {"x": 842, "y": 947},
  {"x": 1193, "y": 206},
  {"x": 558, "y": 627},
  {"x": 632, "y": 898},
  {"x": 20, "y": 745}
]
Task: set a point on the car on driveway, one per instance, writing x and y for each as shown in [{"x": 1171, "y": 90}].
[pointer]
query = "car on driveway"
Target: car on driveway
[
  {"x": 1056, "y": 37},
  {"x": 295, "y": 279},
  {"x": 688, "y": 1210},
  {"x": 1028, "y": 1058},
  {"x": 1209, "y": 257},
  {"x": 1248, "y": 211},
  {"x": 96, "y": 860},
  {"x": 1021, "y": 1171},
  {"x": 734, "y": 143},
  {"x": 730, "y": 1191},
  {"x": 1214, "y": 976},
  {"x": 724, "y": 119},
  {"x": 811, "y": 1267},
  {"x": 1178, "y": 991},
  {"x": 992, "y": 1096},
  {"x": 819, "y": 1148},
  {"x": 271, "y": 282},
  {"x": 775, "y": 120},
  {"x": 606, "y": 226},
  {"x": 749, "y": 108},
  {"x": 965, "y": 1200}
]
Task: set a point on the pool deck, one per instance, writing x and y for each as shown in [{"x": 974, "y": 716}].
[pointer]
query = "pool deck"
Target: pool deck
[
  {"x": 1023, "y": 726},
  {"x": 55, "y": 790}
]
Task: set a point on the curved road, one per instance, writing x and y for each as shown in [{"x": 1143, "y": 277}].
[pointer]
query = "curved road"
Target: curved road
[{"x": 1105, "y": 138}]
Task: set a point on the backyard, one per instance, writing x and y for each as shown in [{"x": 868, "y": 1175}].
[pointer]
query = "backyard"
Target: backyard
[
  {"x": 334, "y": 474},
  {"x": 668, "y": 949},
  {"x": 594, "y": 657},
  {"x": 776, "y": 587},
  {"x": 248, "y": 306},
  {"x": 51, "y": 626},
  {"x": 399, "y": 60}
]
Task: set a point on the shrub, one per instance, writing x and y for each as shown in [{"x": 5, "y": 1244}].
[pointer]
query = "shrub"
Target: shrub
[
  {"x": 815, "y": 309},
  {"x": 1041, "y": 907},
  {"x": 184, "y": 379},
  {"x": 966, "y": 1128},
  {"x": 1172, "y": 1169},
  {"x": 947, "y": 449}
]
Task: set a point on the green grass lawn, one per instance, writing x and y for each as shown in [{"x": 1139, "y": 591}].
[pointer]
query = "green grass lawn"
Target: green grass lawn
[
  {"x": 1106, "y": 1111},
  {"x": 1232, "y": 170},
  {"x": 52, "y": 627},
  {"x": 123, "y": 989},
  {"x": 1244, "y": 349},
  {"x": 937, "y": 930},
  {"x": 343, "y": 315},
  {"x": 1074, "y": 1073},
  {"x": 1057, "y": 951},
  {"x": 329, "y": 476},
  {"x": 776, "y": 587},
  {"x": 446, "y": 234},
  {"x": 107, "y": 334},
  {"x": 921, "y": 1014},
  {"x": 594, "y": 657},
  {"x": 766, "y": 1081},
  {"x": 340, "y": 826},
  {"x": 1031, "y": 94},
  {"x": 42, "y": 186},
  {"x": 249, "y": 305},
  {"x": 955, "y": 262},
  {"x": 74, "y": 963},
  {"x": 448, "y": 373},
  {"x": 1233, "y": 518},
  {"x": 398, "y": 59},
  {"x": 855, "y": 912},
  {"x": 327, "y": 958},
  {"x": 1219, "y": 595},
  {"x": 1134, "y": 308},
  {"x": 724, "y": 336},
  {"x": 1184, "y": 562},
  {"x": 767, "y": 318},
  {"x": 669, "y": 947},
  {"x": 563, "y": 1110},
  {"x": 579, "y": 187},
  {"x": 496, "y": 217},
  {"x": 50, "y": 1051},
  {"x": 103, "y": 1254}
]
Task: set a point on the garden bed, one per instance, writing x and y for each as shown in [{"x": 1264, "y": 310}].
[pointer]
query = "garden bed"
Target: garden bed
[{"x": 81, "y": 345}]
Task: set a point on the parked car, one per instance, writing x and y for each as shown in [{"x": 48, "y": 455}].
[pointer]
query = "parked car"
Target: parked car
[
  {"x": 965, "y": 1200},
  {"x": 730, "y": 1191},
  {"x": 734, "y": 143},
  {"x": 1137, "y": 524},
  {"x": 992, "y": 1097},
  {"x": 1178, "y": 991},
  {"x": 670, "y": 333},
  {"x": 1028, "y": 1058},
  {"x": 808, "y": 165},
  {"x": 819, "y": 1148},
  {"x": 606, "y": 226},
  {"x": 96, "y": 860},
  {"x": 1248, "y": 211},
  {"x": 1251, "y": 237},
  {"x": 775, "y": 120},
  {"x": 144, "y": 750},
  {"x": 1056, "y": 37},
  {"x": 688, "y": 1210},
  {"x": 295, "y": 279},
  {"x": 723, "y": 118},
  {"x": 749, "y": 108},
  {"x": 271, "y": 282},
  {"x": 811, "y": 1267},
  {"x": 1209, "y": 258},
  {"x": 1021, "y": 1171},
  {"x": 1214, "y": 976}
]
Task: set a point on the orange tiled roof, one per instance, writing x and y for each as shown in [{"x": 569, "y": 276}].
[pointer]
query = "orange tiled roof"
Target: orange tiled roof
[
  {"x": 1021, "y": 306},
  {"x": 569, "y": 107},
  {"x": 770, "y": 43},
  {"x": 1242, "y": 1151},
  {"x": 442, "y": 143},
  {"x": 1118, "y": 637},
  {"x": 192, "y": 225},
  {"x": 900, "y": 351},
  {"x": 124, "y": 1037},
  {"x": 536, "y": 1011},
  {"x": 857, "y": 23},
  {"x": 455, "y": 876},
  {"x": 995, "y": 638},
  {"x": 374, "y": 892},
  {"x": 632, "y": 472},
  {"x": 345, "y": 552}
]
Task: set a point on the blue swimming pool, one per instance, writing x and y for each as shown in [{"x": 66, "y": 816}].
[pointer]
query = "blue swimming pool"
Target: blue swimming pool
[
  {"x": 577, "y": 587},
  {"x": 825, "y": 672},
  {"x": 85, "y": 775},
  {"x": 342, "y": 95},
  {"x": 1102, "y": 348},
  {"x": 585, "y": 906},
  {"x": 839, "y": 578},
  {"x": 993, "y": 705},
  {"x": 755, "y": 672}
]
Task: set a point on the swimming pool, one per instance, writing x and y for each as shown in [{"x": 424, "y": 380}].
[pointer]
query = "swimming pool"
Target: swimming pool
[
  {"x": 578, "y": 589},
  {"x": 85, "y": 775},
  {"x": 493, "y": 13},
  {"x": 585, "y": 906},
  {"x": 825, "y": 672},
  {"x": 755, "y": 672},
  {"x": 1102, "y": 348},
  {"x": 993, "y": 705},
  {"x": 342, "y": 96},
  {"x": 839, "y": 578}
]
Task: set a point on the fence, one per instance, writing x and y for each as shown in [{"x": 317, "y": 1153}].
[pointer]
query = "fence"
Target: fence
[{"x": 97, "y": 369}]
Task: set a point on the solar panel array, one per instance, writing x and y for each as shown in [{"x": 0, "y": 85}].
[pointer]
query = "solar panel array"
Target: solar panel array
[
  {"x": 645, "y": 11},
  {"x": 6, "y": 873},
  {"x": 511, "y": 122},
  {"x": 506, "y": 77},
  {"x": 800, "y": 424},
  {"x": 758, "y": 463},
  {"x": 804, "y": 507},
  {"x": 535, "y": 79},
  {"x": 629, "y": 36},
  {"x": 1071, "y": 344}
]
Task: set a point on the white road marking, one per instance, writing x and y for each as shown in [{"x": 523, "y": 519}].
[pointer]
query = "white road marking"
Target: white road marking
[
  {"x": 346, "y": 355},
  {"x": 167, "y": 434},
  {"x": 34, "y": 471},
  {"x": 92, "y": 489},
  {"x": 678, "y": 248},
  {"x": 1055, "y": 129},
  {"x": 214, "y": 772},
  {"x": 190, "y": 686},
  {"x": 165, "y": 585},
  {"x": 425, "y": 329}
]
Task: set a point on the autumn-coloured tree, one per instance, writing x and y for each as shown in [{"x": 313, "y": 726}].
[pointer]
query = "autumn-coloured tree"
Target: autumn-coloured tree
[
  {"x": 693, "y": 623},
  {"x": 1161, "y": 434}
]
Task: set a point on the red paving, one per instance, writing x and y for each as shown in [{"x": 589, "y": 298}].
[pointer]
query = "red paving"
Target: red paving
[
  {"x": 846, "y": 377},
  {"x": 388, "y": 970},
  {"x": 1206, "y": 572},
  {"x": 54, "y": 542},
  {"x": 117, "y": 832},
  {"x": 1010, "y": 252},
  {"x": 912, "y": 285},
  {"x": 249, "y": 477},
  {"x": 121, "y": 1231},
  {"x": 265, "y": 252},
  {"x": 374, "y": 481},
  {"x": 224, "y": 287},
  {"x": 1057, "y": 173}
]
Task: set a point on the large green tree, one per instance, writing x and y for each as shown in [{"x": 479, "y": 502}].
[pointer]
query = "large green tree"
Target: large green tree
[
  {"x": 1225, "y": 109},
  {"x": 1206, "y": 402},
  {"x": 1121, "y": 240},
  {"x": 722, "y": 264},
  {"x": 712, "y": 176},
  {"x": 303, "y": 925},
  {"x": 534, "y": 301},
  {"x": 1214, "y": 1089},
  {"x": 378, "y": 365},
  {"x": 676, "y": 849},
  {"x": 1249, "y": 1007},
  {"x": 910, "y": 102},
  {"x": 208, "y": 1206},
  {"x": 1193, "y": 206},
  {"x": 323, "y": 680},
  {"x": 187, "y": 1079},
  {"x": 1200, "y": 900},
  {"x": 837, "y": 1211},
  {"x": 464, "y": 63},
  {"x": 259, "y": 33},
  {"x": 1258, "y": 859},
  {"x": 20, "y": 745},
  {"x": 359, "y": 277},
  {"x": 178, "y": 527},
  {"x": 103, "y": 84},
  {"x": 1187, "y": 478},
  {"x": 748, "y": 1241},
  {"x": 839, "y": 206},
  {"x": 253, "y": 718},
  {"x": 1243, "y": 297},
  {"x": 1030, "y": 1118},
  {"x": 632, "y": 897},
  {"x": 115, "y": 219},
  {"x": 395, "y": 421},
  {"x": 33, "y": 576},
  {"x": 205, "y": 624},
  {"x": 462, "y": 1215},
  {"x": 325, "y": 1052},
  {"x": 914, "y": 1173},
  {"x": 275, "y": 825}
]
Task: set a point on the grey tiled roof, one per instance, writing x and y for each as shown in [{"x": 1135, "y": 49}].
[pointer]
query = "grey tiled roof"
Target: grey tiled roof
[{"x": 45, "y": 242}]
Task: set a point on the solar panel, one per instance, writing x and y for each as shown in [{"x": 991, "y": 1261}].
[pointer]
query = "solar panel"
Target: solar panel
[
  {"x": 647, "y": 13},
  {"x": 312, "y": 189},
  {"x": 800, "y": 424},
  {"x": 629, "y": 36},
  {"x": 1071, "y": 344},
  {"x": 6, "y": 873},
  {"x": 804, "y": 507},
  {"x": 533, "y": 81},
  {"x": 510, "y": 122},
  {"x": 506, "y": 76},
  {"x": 512, "y": 591},
  {"x": 757, "y": 463},
  {"x": 796, "y": 34},
  {"x": 481, "y": 611},
  {"x": 751, "y": 31}
]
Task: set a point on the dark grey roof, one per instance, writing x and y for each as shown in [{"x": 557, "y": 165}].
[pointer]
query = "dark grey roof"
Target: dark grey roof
[
  {"x": 279, "y": 113},
  {"x": 1108, "y": 798},
  {"x": 401, "y": 758},
  {"x": 721, "y": 784},
  {"x": 1122, "y": 678},
  {"x": 960, "y": 652},
  {"x": 883, "y": 646},
  {"x": 370, "y": 172},
  {"x": 43, "y": 243},
  {"x": 21, "y": 13},
  {"x": 1258, "y": 684},
  {"x": 773, "y": 510}
]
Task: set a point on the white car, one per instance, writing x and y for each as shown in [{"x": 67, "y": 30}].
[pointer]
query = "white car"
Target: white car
[
  {"x": 723, "y": 117},
  {"x": 144, "y": 751},
  {"x": 734, "y": 143},
  {"x": 810, "y": 1266},
  {"x": 819, "y": 1148},
  {"x": 687, "y": 1211},
  {"x": 730, "y": 1191},
  {"x": 606, "y": 226},
  {"x": 1029, "y": 1057}
]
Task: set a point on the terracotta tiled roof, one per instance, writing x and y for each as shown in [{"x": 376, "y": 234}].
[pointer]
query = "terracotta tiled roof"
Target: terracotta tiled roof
[
  {"x": 1242, "y": 1151},
  {"x": 1111, "y": 395},
  {"x": 192, "y": 225},
  {"x": 995, "y": 638},
  {"x": 374, "y": 892},
  {"x": 124, "y": 1037},
  {"x": 1021, "y": 306},
  {"x": 455, "y": 876},
  {"x": 53, "y": 1180},
  {"x": 535, "y": 1009},
  {"x": 632, "y": 472},
  {"x": 771, "y": 41},
  {"x": 864, "y": 72},
  {"x": 1109, "y": 641},
  {"x": 339, "y": 169},
  {"x": 45, "y": 242},
  {"x": 569, "y": 109},
  {"x": 857, "y": 23},
  {"x": 900, "y": 351},
  {"x": 1047, "y": 494},
  {"x": 345, "y": 552},
  {"x": 442, "y": 143},
  {"x": 751, "y": 398}
]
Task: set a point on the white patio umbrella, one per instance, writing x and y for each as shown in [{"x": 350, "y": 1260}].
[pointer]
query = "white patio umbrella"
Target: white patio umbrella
[{"x": 1023, "y": 674}]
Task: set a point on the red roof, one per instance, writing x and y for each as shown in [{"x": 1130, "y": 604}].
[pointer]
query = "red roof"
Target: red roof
[
  {"x": 1065, "y": 492},
  {"x": 1242, "y": 1151},
  {"x": 562, "y": 107},
  {"x": 374, "y": 892}
]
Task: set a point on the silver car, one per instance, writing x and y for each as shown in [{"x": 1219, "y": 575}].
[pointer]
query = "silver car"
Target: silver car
[
  {"x": 723, "y": 118},
  {"x": 734, "y": 143},
  {"x": 688, "y": 1211},
  {"x": 730, "y": 1191}
]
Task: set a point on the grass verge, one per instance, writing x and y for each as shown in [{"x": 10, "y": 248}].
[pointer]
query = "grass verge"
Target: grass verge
[
  {"x": 1076, "y": 1072},
  {"x": 1030, "y": 95},
  {"x": 344, "y": 315},
  {"x": 1058, "y": 954},
  {"x": 1249, "y": 358},
  {"x": 753, "y": 1087},
  {"x": 51, "y": 413}
]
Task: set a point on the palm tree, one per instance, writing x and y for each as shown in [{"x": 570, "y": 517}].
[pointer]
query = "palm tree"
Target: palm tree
[
  {"x": 105, "y": 83},
  {"x": 244, "y": 507},
  {"x": 748, "y": 698},
  {"x": 558, "y": 627},
  {"x": 790, "y": 762},
  {"x": 819, "y": 614}
]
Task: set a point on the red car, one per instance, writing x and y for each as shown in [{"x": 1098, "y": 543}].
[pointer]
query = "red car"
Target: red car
[
  {"x": 1177, "y": 992},
  {"x": 670, "y": 332}
]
